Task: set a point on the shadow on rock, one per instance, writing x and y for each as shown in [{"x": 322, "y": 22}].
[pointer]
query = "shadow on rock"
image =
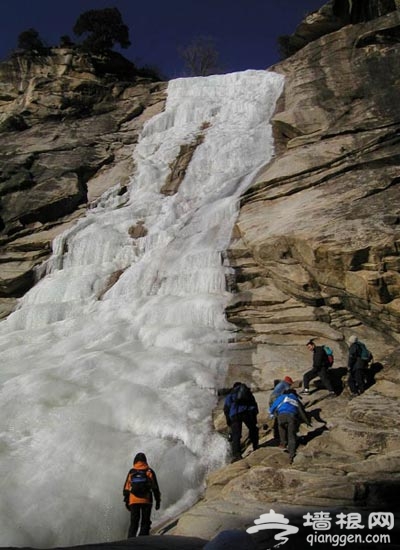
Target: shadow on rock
[{"x": 371, "y": 372}]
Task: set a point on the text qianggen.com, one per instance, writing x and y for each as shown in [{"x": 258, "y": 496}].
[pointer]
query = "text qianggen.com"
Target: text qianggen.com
[{"x": 343, "y": 539}]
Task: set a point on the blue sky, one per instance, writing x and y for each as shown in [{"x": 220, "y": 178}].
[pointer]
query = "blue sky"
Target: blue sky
[{"x": 244, "y": 31}]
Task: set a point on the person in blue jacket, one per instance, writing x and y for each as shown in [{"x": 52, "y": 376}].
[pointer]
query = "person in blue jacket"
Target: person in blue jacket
[
  {"x": 290, "y": 411},
  {"x": 279, "y": 388},
  {"x": 241, "y": 407}
]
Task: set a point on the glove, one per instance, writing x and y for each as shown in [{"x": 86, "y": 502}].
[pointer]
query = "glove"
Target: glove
[
  {"x": 127, "y": 506},
  {"x": 157, "y": 505}
]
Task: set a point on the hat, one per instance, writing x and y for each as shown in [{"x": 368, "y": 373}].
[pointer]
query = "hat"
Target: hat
[
  {"x": 310, "y": 342},
  {"x": 288, "y": 380},
  {"x": 140, "y": 457},
  {"x": 353, "y": 339}
]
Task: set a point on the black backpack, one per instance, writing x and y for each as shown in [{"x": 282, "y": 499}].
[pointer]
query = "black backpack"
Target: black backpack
[
  {"x": 364, "y": 352},
  {"x": 243, "y": 395},
  {"x": 140, "y": 483}
]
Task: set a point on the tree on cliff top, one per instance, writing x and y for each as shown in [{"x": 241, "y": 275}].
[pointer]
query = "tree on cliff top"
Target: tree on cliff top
[
  {"x": 103, "y": 29},
  {"x": 29, "y": 41}
]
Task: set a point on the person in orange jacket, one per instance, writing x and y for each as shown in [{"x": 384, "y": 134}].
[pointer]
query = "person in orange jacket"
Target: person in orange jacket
[{"x": 139, "y": 488}]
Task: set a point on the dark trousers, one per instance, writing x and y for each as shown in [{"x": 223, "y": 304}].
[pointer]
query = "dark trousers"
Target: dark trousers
[
  {"x": 249, "y": 418},
  {"x": 357, "y": 380},
  {"x": 288, "y": 425},
  {"x": 140, "y": 514},
  {"x": 314, "y": 373}
]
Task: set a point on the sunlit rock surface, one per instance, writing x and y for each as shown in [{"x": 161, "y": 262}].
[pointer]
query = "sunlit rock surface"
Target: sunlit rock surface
[{"x": 315, "y": 253}]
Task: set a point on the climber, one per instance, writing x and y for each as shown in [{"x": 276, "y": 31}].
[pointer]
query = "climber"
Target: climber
[
  {"x": 241, "y": 407},
  {"x": 279, "y": 388},
  {"x": 359, "y": 357},
  {"x": 319, "y": 368},
  {"x": 290, "y": 411},
  {"x": 140, "y": 486}
]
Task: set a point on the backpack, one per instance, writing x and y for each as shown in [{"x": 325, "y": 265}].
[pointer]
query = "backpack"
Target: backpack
[
  {"x": 140, "y": 483},
  {"x": 243, "y": 395},
  {"x": 364, "y": 352},
  {"x": 329, "y": 354}
]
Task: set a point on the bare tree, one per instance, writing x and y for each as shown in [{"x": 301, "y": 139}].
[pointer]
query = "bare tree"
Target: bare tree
[{"x": 201, "y": 57}]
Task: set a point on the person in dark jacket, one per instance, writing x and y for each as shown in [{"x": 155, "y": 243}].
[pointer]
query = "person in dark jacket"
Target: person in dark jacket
[
  {"x": 139, "y": 500},
  {"x": 238, "y": 411},
  {"x": 290, "y": 411},
  {"x": 319, "y": 368},
  {"x": 357, "y": 367}
]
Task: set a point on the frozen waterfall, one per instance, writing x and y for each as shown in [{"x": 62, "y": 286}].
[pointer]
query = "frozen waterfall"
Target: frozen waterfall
[{"x": 89, "y": 377}]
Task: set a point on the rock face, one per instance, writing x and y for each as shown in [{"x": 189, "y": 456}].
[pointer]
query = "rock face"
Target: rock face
[
  {"x": 67, "y": 132},
  {"x": 316, "y": 254}
]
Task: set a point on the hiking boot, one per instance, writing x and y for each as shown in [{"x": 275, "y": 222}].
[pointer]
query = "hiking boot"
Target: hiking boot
[
  {"x": 305, "y": 391},
  {"x": 236, "y": 458}
]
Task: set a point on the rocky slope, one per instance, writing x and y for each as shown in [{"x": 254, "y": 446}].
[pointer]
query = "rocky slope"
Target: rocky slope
[{"x": 315, "y": 252}]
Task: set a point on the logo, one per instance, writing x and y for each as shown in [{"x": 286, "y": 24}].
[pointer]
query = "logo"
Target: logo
[
  {"x": 349, "y": 528},
  {"x": 274, "y": 521}
]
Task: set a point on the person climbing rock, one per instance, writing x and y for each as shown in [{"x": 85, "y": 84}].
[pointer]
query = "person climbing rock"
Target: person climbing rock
[
  {"x": 280, "y": 387},
  {"x": 241, "y": 407},
  {"x": 139, "y": 488},
  {"x": 290, "y": 411},
  {"x": 359, "y": 357},
  {"x": 319, "y": 369}
]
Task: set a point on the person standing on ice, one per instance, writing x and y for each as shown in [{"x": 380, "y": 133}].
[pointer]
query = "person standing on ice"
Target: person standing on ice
[{"x": 139, "y": 488}]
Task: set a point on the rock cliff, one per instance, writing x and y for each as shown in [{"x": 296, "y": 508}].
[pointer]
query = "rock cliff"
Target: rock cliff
[
  {"x": 315, "y": 252},
  {"x": 68, "y": 125}
]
